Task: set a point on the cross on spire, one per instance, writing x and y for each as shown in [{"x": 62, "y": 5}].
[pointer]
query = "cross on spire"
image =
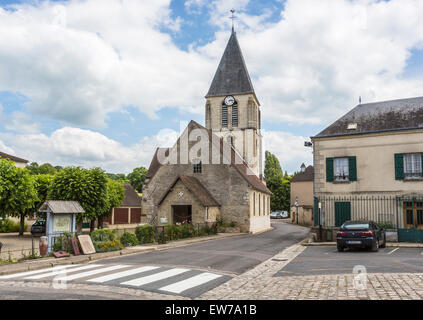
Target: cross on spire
[{"x": 233, "y": 18}]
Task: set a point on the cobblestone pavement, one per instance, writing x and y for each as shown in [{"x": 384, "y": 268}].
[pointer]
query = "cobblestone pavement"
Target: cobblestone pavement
[{"x": 259, "y": 284}]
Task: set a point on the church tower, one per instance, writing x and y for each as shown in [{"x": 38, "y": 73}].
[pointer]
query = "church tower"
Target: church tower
[{"x": 232, "y": 108}]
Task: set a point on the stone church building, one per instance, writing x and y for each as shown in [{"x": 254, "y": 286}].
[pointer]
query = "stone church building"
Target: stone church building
[{"x": 215, "y": 171}]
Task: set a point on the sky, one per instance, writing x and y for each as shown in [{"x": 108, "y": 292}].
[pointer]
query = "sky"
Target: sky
[{"x": 105, "y": 82}]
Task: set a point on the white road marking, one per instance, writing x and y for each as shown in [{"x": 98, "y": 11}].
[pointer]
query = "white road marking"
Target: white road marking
[
  {"x": 393, "y": 250},
  {"x": 23, "y": 274},
  {"x": 89, "y": 273},
  {"x": 192, "y": 282},
  {"x": 122, "y": 274},
  {"x": 155, "y": 277},
  {"x": 50, "y": 274}
]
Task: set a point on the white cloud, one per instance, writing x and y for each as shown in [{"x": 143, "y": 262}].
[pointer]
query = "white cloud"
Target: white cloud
[
  {"x": 81, "y": 60},
  {"x": 74, "y": 146},
  {"x": 289, "y": 149},
  {"x": 4, "y": 148},
  {"x": 21, "y": 122}
]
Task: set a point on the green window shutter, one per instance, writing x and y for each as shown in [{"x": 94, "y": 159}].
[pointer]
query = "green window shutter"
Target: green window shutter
[
  {"x": 399, "y": 166},
  {"x": 329, "y": 169},
  {"x": 316, "y": 211},
  {"x": 352, "y": 164}
]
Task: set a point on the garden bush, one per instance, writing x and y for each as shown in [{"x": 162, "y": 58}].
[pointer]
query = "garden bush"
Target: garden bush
[
  {"x": 101, "y": 235},
  {"x": 7, "y": 226},
  {"x": 145, "y": 234},
  {"x": 105, "y": 246},
  {"x": 128, "y": 239}
]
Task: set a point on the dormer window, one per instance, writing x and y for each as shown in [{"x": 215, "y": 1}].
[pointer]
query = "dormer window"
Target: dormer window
[{"x": 352, "y": 126}]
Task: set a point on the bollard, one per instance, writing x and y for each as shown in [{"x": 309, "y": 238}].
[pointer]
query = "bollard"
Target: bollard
[{"x": 43, "y": 246}]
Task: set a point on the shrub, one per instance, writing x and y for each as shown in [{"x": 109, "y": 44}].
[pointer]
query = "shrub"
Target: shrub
[
  {"x": 145, "y": 234},
  {"x": 105, "y": 246},
  {"x": 7, "y": 226},
  {"x": 386, "y": 225},
  {"x": 128, "y": 239},
  {"x": 101, "y": 235}
]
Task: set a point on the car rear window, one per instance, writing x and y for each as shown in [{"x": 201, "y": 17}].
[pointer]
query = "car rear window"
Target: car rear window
[{"x": 356, "y": 226}]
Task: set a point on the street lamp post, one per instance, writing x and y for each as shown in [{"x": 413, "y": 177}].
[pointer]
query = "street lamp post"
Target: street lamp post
[{"x": 296, "y": 207}]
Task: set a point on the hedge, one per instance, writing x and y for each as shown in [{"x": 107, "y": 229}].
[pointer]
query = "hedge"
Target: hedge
[{"x": 145, "y": 234}]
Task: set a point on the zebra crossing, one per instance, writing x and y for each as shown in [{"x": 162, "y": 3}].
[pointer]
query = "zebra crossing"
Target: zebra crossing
[{"x": 177, "y": 281}]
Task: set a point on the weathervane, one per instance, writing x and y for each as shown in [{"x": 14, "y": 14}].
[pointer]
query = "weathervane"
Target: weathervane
[{"x": 233, "y": 18}]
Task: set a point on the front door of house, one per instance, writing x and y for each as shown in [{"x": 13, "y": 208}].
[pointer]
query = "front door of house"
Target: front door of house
[{"x": 342, "y": 213}]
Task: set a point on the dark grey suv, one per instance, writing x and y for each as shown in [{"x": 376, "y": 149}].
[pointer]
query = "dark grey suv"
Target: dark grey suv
[{"x": 360, "y": 234}]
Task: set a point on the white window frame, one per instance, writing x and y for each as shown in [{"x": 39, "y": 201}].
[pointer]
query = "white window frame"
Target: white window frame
[
  {"x": 412, "y": 166},
  {"x": 341, "y": 169}
]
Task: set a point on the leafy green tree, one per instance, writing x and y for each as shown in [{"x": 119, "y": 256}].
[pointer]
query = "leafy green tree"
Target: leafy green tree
[
  {"x": 277, "y": 182},
  {"x": 42, "y": 184},
  {"x": 17, "y": 192},
  {"x": 45, "y": 168},
  {"x": 115, "y": 196},
  {"x": 121, "y": 177},
  {"x": 137, "y": 177},
  {"x": 88, "y": 187}
]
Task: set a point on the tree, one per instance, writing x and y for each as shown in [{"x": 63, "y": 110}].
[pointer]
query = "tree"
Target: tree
[
  {"x": 137, "y": 177},
  {"x": 42, "y": 185},
  {"x": 17, "y": 192},
  {"x": 121, "y": 177},
  {"x": 115, "y": 196},
  {"x": 88, "y": 187},
  {"x": 277, "y": 182},
  {"x": 45, "y": 168}
]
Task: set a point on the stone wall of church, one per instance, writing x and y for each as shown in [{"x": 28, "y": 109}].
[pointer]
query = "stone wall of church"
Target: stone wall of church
[
  {"x": 180, "y": 195},
  {"x": 222, "y": 181}
]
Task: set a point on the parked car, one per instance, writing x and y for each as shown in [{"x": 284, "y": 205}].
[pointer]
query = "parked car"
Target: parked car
[
  {"x": 39, "y": 227},
  {"x": 285, "y": 214},
  {"x": 276, "y": 215},
  {"x": 360, "y": 234}
]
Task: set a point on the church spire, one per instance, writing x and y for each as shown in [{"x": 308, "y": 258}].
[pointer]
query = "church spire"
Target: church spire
[{"x": 232, "y": 75}]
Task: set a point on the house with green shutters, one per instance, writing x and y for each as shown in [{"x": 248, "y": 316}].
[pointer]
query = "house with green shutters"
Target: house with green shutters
[{"x": 368, "y": 166}]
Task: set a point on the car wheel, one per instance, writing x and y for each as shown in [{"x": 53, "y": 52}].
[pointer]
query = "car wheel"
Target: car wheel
[
  {"x": 340, "y": 249},
  {"x": 375, "y": 246}
]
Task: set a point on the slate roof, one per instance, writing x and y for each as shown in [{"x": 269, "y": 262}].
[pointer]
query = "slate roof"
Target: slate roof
[
  {"x": 62, "y": 206},
  {"x": 132, "y": 199},
  {"x": 196, "y": 188},
  {"x": 13, "y": 158},
  {"x": 393, "y": 115},
  {"x": 307, "y": 175},
  {"x": 232, "y": 75}
]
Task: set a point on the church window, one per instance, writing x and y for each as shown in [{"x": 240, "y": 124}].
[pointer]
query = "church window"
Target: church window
[
  {"x": 254, "y": 203},
  {"x": 235, "y": 115},
  {"x": 231, "y": 140},
  {"x": 197, "y": 166},
  {"x": 224, "y": 116}
]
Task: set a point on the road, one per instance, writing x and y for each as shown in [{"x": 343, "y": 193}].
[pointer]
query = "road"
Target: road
[
  {"x": 326, "y": 260},
  {"x": 183, "y": 272},
  {"x": 233, "y": 255}
]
